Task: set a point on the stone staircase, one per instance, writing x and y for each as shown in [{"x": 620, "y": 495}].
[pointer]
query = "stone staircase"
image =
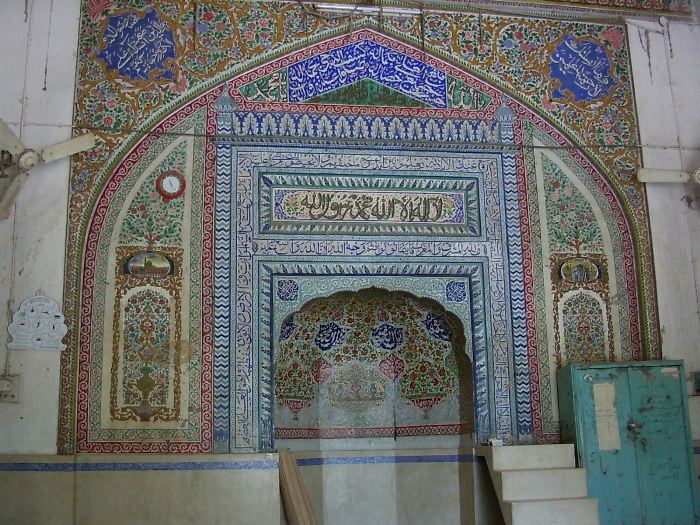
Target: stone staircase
[{"x": 540, "y": 484}]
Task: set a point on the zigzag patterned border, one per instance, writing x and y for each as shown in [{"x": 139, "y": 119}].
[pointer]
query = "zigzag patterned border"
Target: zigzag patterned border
[
  {"x": 222, "y": 290},
  {"x": 347, "y": 275},
  {"x": 494, "y": 410}
]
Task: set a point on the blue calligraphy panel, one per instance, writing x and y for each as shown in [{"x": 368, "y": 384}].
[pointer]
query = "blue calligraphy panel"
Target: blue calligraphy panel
[
  {"x": 367, "y": 60},
  {"x": 138, "y": 47},
  {"x": 583, "y": 68}
]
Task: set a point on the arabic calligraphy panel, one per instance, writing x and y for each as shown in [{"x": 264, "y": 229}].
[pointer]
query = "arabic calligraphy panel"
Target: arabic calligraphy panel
[
  {"x": 386, "y": 205},
  {"x": 139, "y": 48},
  {"x": 582, "y": 68},
  {"x": 363, "y": 60}
]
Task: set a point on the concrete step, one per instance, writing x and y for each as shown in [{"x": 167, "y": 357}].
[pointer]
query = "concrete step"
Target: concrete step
[
  {"x": 540, "y": 484},
  {"x": 528, "y": 457},
  {"x": 569, "y": 511}
]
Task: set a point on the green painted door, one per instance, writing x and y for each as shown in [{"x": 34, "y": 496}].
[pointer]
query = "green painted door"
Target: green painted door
[
  {"x": 656, "y": 429},
  {"x": 609, "y": 453},
  {"x": 634, "y": 443}
]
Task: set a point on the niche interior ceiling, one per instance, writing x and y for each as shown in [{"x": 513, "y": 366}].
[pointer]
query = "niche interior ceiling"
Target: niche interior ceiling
[{"x": 254, "y": 158}]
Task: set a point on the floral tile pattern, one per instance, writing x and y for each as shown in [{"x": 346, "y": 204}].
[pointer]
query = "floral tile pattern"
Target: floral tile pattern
[{"x": 481, "y": 162}]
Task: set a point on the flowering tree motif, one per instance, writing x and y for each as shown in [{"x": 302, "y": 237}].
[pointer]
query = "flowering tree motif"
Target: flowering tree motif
[
  {"x": 150, "y": 221},
  {"x": 570, "y": 219}
]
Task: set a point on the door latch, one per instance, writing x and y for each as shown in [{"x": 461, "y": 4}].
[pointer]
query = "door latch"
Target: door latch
[{"x": 634, "y": 428}]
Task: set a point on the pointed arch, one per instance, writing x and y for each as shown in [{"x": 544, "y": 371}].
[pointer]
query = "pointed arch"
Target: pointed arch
[{"x": 467, "y": 144}]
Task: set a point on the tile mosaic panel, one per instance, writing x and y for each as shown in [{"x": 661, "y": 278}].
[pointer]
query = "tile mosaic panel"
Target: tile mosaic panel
[
  {"x": 248, "y": 245},
  {"x": 371, "y": 363},
  {"x": 526, "y": 104}
]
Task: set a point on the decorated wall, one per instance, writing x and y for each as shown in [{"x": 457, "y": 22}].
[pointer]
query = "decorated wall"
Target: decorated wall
[
  {"x": 372, "y": 363},
  {"x": 298, "y": 225}
]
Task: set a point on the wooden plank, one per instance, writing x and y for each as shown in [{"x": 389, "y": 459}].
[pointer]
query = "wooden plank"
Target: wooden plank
[{"x": 295, "y": 497}]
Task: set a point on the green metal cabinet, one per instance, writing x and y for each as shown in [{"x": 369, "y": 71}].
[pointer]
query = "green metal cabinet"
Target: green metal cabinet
[{"x": 630, "y": 424}]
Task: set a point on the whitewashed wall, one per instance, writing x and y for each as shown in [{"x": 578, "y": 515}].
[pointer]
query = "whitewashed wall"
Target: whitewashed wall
[
  {"x": 38, "y": 70},
  {"x": 666, "y": 67}
]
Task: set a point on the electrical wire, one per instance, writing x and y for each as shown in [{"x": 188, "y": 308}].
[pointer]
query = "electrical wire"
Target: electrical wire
[
  {"x": 124, "y": 132},
  {"x": 510, "y": 8}
]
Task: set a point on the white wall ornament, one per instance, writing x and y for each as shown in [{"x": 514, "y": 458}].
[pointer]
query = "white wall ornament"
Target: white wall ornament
[{"x": 37, "y": 325}]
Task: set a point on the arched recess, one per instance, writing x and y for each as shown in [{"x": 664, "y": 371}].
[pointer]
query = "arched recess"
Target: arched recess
[
  {"x": 430, "y": 192},
  {"x": 372, "y": 364}
]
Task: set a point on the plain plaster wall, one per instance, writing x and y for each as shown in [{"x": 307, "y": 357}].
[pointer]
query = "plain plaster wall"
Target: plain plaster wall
[
  {"x": 446, "y": 486},
  {"x": 666, "y": 69},
  {"x": 38, "y": 73},
  {"x": 38, "y": 82}
]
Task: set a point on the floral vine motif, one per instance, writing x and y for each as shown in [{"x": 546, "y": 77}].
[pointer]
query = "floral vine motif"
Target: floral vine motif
[{"x": 95, "y": 8}]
